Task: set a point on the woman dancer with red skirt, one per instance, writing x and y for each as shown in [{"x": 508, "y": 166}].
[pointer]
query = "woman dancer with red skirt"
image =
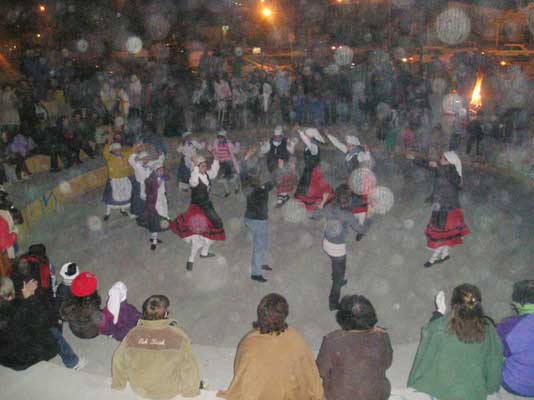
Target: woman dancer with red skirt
[
  {"x": 446, "y": 227},
  {"x": 200, "y": 225}
]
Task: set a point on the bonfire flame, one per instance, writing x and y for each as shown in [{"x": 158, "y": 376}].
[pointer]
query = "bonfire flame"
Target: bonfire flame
[{"x": 476, "y": 98}]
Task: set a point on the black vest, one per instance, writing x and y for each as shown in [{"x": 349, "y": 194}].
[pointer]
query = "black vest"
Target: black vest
[
  {"x": 310, "y": 160},
  {"x": 200, "y": 193},
  {"x": 277, "y": 153}
]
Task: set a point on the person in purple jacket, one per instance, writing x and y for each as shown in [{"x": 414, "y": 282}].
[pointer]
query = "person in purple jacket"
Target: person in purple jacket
[
  {"x": 517, "y": 336},
  {"x": 118, "y": 317}
]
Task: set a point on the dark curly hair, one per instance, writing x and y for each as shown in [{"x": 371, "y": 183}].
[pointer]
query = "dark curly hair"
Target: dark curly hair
[
  {"x": 72, "y": 307},
  {"x": 467, "y": 321},
  {"x": 272, "y": 313},
  {"x": 356, "y": 313},
  {"x": 343, "y": 196},
  {"x": 524, "y": 292}
]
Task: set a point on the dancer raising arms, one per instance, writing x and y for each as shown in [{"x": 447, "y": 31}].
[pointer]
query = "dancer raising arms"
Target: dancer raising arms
[
  {"x": 200, "y": 225},
  {"x": 356, "y": 156},
  {"x": 312, "y": 184}
]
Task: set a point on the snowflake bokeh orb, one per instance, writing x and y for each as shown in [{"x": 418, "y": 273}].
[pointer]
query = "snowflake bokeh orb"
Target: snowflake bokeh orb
[
  {"x": 343, "y": 55},
  {"x": 294, "y": 211},
  {"x": 362, "y": 181},
  {"x": 134, "y": 45},
  {"x": 381, "y": 199},
  {"x": 82, "y": 45},
  {"x": 453, "y": 26}
]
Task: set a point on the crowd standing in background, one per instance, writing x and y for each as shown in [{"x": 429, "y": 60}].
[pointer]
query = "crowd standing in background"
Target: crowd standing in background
[{"x": 123, "y": 115}]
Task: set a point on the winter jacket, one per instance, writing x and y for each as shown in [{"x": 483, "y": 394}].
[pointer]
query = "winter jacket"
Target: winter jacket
[
  {"x": 83, "y": 319},
  {"x": 517, "y": 336},
  {"x": 448, "y": 369},
  {"x": 25, "y": 336},
  {"x": 157, "y": 359},
  {"x": 353, "y": 364}
]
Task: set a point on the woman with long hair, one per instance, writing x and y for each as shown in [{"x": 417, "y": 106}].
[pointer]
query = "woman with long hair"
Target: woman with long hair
[{"x": 460, "y": 355}]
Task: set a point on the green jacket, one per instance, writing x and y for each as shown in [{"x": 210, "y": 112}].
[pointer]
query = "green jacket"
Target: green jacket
[{"x": 449, "y": 369}]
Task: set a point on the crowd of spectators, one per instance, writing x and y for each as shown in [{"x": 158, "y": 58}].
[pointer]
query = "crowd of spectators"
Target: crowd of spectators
[{"x": 60, "y": 111}]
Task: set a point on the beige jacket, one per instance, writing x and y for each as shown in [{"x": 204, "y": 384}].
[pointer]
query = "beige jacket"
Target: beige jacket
[
  {"x": 157, "y": 359},
  {"x": 274, "y": 367}
]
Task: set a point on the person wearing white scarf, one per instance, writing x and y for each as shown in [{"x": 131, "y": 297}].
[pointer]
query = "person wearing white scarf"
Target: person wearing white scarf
[
  {"x": 446, "y": 227},
  {"x": 117, "y": 294}
]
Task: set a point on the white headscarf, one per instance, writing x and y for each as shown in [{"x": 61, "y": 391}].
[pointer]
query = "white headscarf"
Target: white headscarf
[
  {"x": 353, "y": 140},
  {"x": 453, "y": 158},
  {"x": 117, "y": 294}
]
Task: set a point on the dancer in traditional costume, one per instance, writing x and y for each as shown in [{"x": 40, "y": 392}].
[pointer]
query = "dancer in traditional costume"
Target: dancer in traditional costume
[
  {"x": 356, "y": 156},
  {"x": 312, "y": 184},
  {"x": 118, "y": 191},
  {"x": 200, "y": 224},
  {"x": 278, "y": 150},
  {"x": 156, "y": 213},
  {"x": 446, "y": 227},
  {"x": 188, "y": 148},
  {"x": 143, "y": 167},
  {"x": 225, "y": 151}
]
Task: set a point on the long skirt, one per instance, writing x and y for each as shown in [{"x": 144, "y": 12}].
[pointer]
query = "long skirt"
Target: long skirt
[
  {"x": 137, "y": 204},
  {"x": 154, "y": 222},
  {"x": 118, "y": 192},
  {"x": 310, "y": 191},
  {"x": 195, "y": 222},
  {"x": 450, "y": 234}
]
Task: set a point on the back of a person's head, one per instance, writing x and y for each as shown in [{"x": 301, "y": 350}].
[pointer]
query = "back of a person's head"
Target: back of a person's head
[
  {"x": 523, "y": 292},
  {"x": 467, "y": 320},
  {"x": 155, "y": 307},
  {"x": 356, "y": 313},
  {"x": 272, "y": 313},
  {"x": 7, "y": 290},
  {"x": 343, "y": 196}
]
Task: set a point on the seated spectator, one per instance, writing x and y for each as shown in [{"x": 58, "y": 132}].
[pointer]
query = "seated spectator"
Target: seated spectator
[
  {"x": 9, "y": 216},
  {"x": 156, "y": 356},
  {"x": 68, "y": 272},
  {"x": 517, "y": 336},
  {"x": 273, "y": 361},
  {"x": 26, "y": 336},
  {"x": 353, "y": 360},
  {"x": 118, "y": 317},
  {"x": 460, "y": 354},
  {"x": 20, "y": 148},
  {"x": 81, "y": 309}
]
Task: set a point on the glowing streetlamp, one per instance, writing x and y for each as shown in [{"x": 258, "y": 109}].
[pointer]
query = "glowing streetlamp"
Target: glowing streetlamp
[
  {"x": 42, "y": 8},
  {"x": 267, "y": 12},
  {"x": 38, "y": 36}
]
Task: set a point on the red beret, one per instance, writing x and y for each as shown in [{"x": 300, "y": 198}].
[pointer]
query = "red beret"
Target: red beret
[{"x": 84, "y": 285}]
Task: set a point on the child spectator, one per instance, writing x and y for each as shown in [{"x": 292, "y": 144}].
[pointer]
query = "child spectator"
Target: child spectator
[{"x": 118, "y": 317}]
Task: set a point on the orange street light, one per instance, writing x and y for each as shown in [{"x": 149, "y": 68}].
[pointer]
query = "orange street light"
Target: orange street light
[
  {"x": 38, "y": 35},
  {"x": 267, "y": 12},
  {"x": 42, "y": 8}
]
